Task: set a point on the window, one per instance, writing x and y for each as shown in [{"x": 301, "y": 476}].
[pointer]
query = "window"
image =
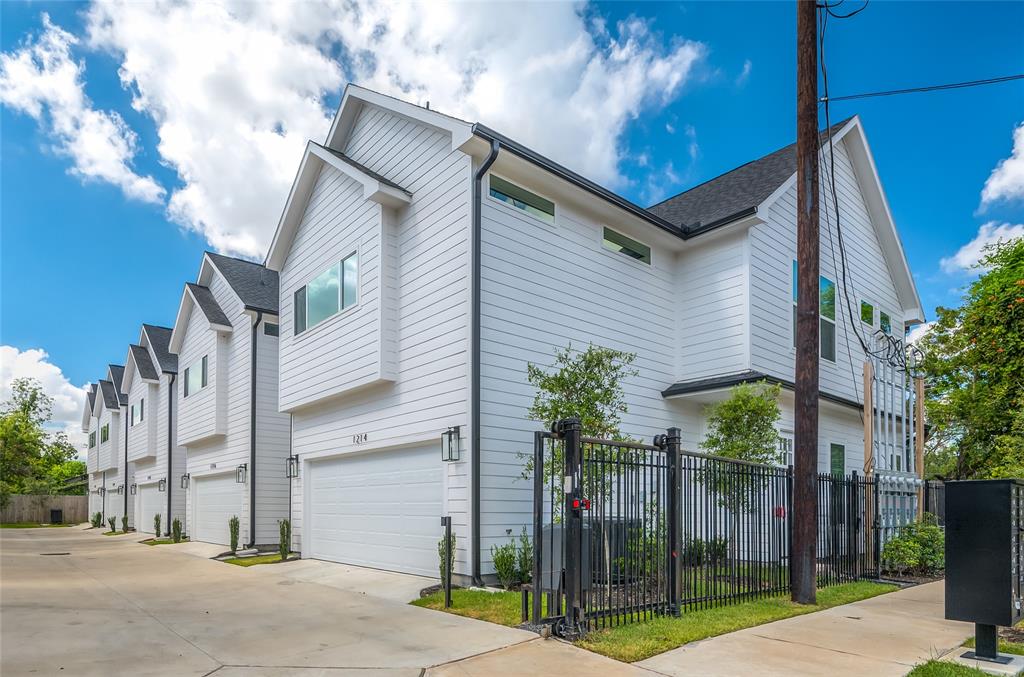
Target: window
[
  {"x": 104, "y": 433},
  {"x": 826, "y": 314},
  {"x": 531, "y": 203},
  {"x": 837, "y": 453},
  {"x": 195, "y": 377},
  {"x": 138, "y": 412},
  {"x": 327, "y": 294},
  {"x": 785, "y": 447},
  {"x": 867, "y": 313},
  {"x": 617, "y": 242},
  {"x": 884, "y": 321},
  {"x": 270, "y": 329},
  {"x": 92, "y": 439}
]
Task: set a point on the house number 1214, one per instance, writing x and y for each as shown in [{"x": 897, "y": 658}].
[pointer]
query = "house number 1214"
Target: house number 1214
[{"x": 360, "y": 438}]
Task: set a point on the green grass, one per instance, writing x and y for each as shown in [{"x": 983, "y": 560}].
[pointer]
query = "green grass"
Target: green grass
[
  {"x": 503, "y": 608},
  {"x": 32, "y": 525},
  {"x": 157, "y": 541},
  {"x": 253, "y": 561},
  {"x": 944, "y": 669}
]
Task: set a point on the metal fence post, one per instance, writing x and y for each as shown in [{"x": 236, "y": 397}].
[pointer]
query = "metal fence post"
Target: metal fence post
[
  {"x": 789, "y": 523},
  {"x": 446, "y": 522},
  {"x": 538, "y": 524},
  {"x": 672, "y": 448},
  {"x": 570, "y": 430}
]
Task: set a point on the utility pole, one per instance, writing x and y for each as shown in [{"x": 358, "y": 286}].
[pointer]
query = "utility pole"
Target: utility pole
[{"x": 805, "y": 467}]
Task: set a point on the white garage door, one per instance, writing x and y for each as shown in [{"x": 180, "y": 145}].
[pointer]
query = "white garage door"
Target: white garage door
[
  {"x": 380, "y": 509},
  {"x": 152, "y": 502},
  {"x": 217, "y": 500},
  {"x": 114, "y": 507}
]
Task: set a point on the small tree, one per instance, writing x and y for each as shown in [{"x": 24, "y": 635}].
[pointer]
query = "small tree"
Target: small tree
[
  {"x": 176, "y": 530},
  {"x": 442, "y": 549},
  {"x": 525, "y": 555},
  {"x": 97, "y": 520},
  {"x": 124, "y": 523},
  {"x": 233, "y": 529},
  {"x": 156, "y": 525},
  {"x": 742, "y": 428},
  {"x": 284, "y": 545},
  {"x": 505, "y": 561},
  {"x": 112, "y": 521}
]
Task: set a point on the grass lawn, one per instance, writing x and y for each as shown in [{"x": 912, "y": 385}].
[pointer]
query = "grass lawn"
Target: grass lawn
[
  {"x": 273, "y": 558},
  {"x": 1015, "y": 648},
  {"x": 157, "y": 541},
  {"x": 636, "y": 641},
  {"x": 32, "y": 525},
  {"x": 944, "y": 669}
]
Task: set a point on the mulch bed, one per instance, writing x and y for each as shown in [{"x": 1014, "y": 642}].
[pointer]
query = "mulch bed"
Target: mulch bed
[{"x": 912, "y": 580}]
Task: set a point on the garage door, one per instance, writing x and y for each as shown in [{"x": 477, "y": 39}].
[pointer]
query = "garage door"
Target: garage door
[
  {"x": 114, "y": 507},
  {"x": 152, "y": 502},
  {"x": 380, "y": 509},
  {"x": 216, "y": 500}
]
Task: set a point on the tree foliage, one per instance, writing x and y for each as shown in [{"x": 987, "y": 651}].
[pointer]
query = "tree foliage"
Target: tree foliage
[
  {"x": 974, "y": 361},
  {"x": 31, "y": 459},
  {"x": 743, "y": 426}
]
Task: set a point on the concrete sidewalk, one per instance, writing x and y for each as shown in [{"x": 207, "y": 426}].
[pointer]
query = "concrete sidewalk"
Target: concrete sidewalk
[{"x": 885, "y": 635}]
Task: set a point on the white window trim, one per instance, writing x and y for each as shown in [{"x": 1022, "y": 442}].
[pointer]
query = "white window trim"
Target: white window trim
[
  {"x": 522, "y": 212},
  {"x": 875, "y": 317},
  {"x": 619, "y": 256},
  {"x": 188, "y": 369},
  {"x": 358, "y": 253},
  {"x": 891, "y": 317},
  {"x": 835, "y": 325}
]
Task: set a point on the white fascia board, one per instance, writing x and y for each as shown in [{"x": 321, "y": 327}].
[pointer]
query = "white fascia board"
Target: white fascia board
[
  {"x": 86, "y": 410},
  {"x": 185, "y": 308},
  {"x": 354, "y": 98},
  {"x": 373, "y": 188}
]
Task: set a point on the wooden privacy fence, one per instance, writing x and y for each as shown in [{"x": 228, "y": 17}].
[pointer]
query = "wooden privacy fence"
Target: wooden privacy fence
[{"x": 25, "y": 508}]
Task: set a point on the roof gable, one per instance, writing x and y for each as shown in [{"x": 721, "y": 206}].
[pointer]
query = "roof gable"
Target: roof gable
[
  {"x": 90, "y": 403},
  {"x": 254, "y": 284},
  {"x": 140, "y": 362},
  {"x": 158, "y": 339},
  {"x": 195, "y": 295},
  {"x": 108, "y": 397}
]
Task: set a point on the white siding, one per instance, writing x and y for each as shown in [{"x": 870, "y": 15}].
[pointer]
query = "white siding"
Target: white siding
[
  {"x": 272, "y": 440},
  {"x": 106, "y": 451},
  {"x": 427, "y": 332},
  {"x": 773, "y": 249},
  {"x": 201, "y": 414},
  {"x": 143, "y": 435},
  {"x": 154, "y": 468}
]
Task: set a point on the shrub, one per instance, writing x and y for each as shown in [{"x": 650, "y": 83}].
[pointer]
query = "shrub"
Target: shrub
[
  {"x": 901, "y": 554},
  {"x": 525, "y": 557},
  {"x": 156, "y": 525},
  {"x": 112, "y": 521},
  {"x": 693, "y": 552},
  {"x": 505, "y": 563},
  {"x": 124, "y": 523},
  {"x": 718, "y": 549},
  {"x": 97, "y": 520},
  {"x": 233, "y": 528},
  {"x": 176, "y": 530},
  {"x": 444, "y": 567},
  {"x": 931, "y": 544},
  {"x": 285, "y": 543}
]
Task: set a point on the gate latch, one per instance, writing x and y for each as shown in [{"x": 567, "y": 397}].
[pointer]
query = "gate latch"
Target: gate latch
[{"x": 581, "y": 504}]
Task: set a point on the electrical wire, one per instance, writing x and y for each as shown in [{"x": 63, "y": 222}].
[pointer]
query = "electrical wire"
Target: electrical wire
[{"x": 927, "y": 88}]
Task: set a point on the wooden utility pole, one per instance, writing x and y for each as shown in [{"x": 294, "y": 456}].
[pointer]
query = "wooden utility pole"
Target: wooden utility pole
[{"x": 805, "y": 467}]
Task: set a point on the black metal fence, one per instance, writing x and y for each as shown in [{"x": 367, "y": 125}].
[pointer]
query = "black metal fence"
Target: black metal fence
[
  {"x": 626, "y": 531},
  {"x": 935, "y": 500}
]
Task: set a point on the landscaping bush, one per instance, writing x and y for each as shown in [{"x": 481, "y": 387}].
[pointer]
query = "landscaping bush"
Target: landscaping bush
[
  {"x": 124, "y": 523},
  {"x": 156, "y": 525},
  {"x": 445, "y": 567},
  {"x": 718, "y": 549},
  {"x": 525, "y": 557},
  {"x": 176, "y": 530},
  {"x": 693, "y": 552},
  {"x": 901, "y": 554},
  {"x": 97, "y": 520},
  {"x": 233, "y": 528},
  {"x": 285, "y": 543},
  {"x": 112, "y": 521},
  {"x": 506, "y": 564},
  {"x": 931, "y": 542}
]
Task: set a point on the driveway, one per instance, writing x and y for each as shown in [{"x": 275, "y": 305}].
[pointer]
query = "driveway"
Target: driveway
[{"x": 112, "y": 606}]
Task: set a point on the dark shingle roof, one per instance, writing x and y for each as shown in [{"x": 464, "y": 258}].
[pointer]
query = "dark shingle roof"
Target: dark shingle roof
[
  {"x": 733, "y": 193},
  {"x": 208, "y": 304},
  {"x": 255, "y": 284},
  {"x": 160, "y": 341},
  {"x": 110, "y": 400},
  {"x": 363, "y": 168},
  {"x": 92, "y": 396},
  {"x": 117, "y": 378},
  {"x": 143, "y": 362}
]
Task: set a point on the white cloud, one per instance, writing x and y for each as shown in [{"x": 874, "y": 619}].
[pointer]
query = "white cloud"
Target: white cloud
[
  {"x": 68, "y": 399},
  {"x": 744, "y": 75},
  {"x": 1007, "y": 180},
  {"x": 234, "y": 108},
  {"x": 42, "y": 80},
  {"x": 967, "y": 256}
]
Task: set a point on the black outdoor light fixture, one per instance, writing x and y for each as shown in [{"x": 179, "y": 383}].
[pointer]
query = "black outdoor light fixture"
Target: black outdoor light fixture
[
  {"x": 184, "y": 480},
  {"x": 292, "y": 466},
  {"x": 161, "y": 485},
  {"x": 120, "y": 490},
  {"x": 133, "y": 488},
  {"x": 101, "y": 490},
  {"x": 240, "y": 473},
  {"x": 450, "y": 441}
]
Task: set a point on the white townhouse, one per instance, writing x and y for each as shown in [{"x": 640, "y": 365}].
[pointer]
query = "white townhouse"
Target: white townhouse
[
  {"x": 92, "y": 462},
  {"x": 106, "y": 447},
  {"x": 425, "y": 261},
  {"x": 236, "y": 440},
  {"x": 152, "y": 450}
]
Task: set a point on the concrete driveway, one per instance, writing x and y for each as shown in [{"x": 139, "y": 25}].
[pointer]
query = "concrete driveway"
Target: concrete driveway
[{"x": 114, "y": 607}]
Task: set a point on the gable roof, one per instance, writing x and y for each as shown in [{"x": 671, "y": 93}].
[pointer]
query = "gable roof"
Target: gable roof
[
  {"x": 735, "y": 193},
  {"x": 143, "y": 363},
  {"x": 90, "y": 402},
  {"x": 255, "y": 284},
  {"x": 92, "y": 395},
  {"x": 159, "y": 339},
  {"x": 116, "y": 374},
  {"x": 208, "y": 304},
  {"x": 110, "y": 399}
]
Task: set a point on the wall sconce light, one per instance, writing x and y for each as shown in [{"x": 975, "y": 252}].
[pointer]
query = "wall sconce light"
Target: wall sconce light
[
  {"x": 450, "y": 442},
  {"x": 101, "y": 491},
  {"x": 240, "y": 473},
  {"x": 184, "y": 480},
  {"x": 133, "y": 488},
  {"x": 292, "y": 466},
  {"x": 120, "y": 490},
  {"x": 161, "y": 485}
]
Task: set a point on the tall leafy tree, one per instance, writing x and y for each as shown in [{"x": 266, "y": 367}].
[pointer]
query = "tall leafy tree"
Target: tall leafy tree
[{"x": 974, "y": 363}]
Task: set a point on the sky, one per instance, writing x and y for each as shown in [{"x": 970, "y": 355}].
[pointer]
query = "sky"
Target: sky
[{"x": 136, "y": 135}]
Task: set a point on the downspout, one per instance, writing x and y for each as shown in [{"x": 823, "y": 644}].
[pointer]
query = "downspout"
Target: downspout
[
  {"x": 170, "y": 449},
  {"x": 474, "y": 398},
  {"x": 124, "y": 482},
  {"x": 252, "y": 433}
]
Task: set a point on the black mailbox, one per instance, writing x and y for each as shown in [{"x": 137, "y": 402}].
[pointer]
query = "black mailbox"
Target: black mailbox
[{"x": 984, "y": 555}]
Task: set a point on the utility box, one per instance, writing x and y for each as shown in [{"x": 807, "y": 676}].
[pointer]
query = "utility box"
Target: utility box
[{"x": 984, "y": 556}]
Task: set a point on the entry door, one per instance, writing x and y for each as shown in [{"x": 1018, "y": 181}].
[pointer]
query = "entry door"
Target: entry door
[
  {"x": 381, "y": 509},
  {"x": 217, "y": 500}
]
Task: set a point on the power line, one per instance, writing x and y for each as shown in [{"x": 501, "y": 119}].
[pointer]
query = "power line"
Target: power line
[{"x": 929, "y": 88}]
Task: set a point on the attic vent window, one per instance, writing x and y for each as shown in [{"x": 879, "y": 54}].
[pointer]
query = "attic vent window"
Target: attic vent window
[
  {"x": 520, "y": 198},
  {"x": 617, "y": 242}
]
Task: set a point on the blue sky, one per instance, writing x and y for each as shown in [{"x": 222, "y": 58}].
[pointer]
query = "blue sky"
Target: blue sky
[{"x": 92, "y": 247}]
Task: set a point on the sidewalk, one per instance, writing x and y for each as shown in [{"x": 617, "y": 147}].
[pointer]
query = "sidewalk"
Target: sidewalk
[{"x": 884, "y": 635}]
